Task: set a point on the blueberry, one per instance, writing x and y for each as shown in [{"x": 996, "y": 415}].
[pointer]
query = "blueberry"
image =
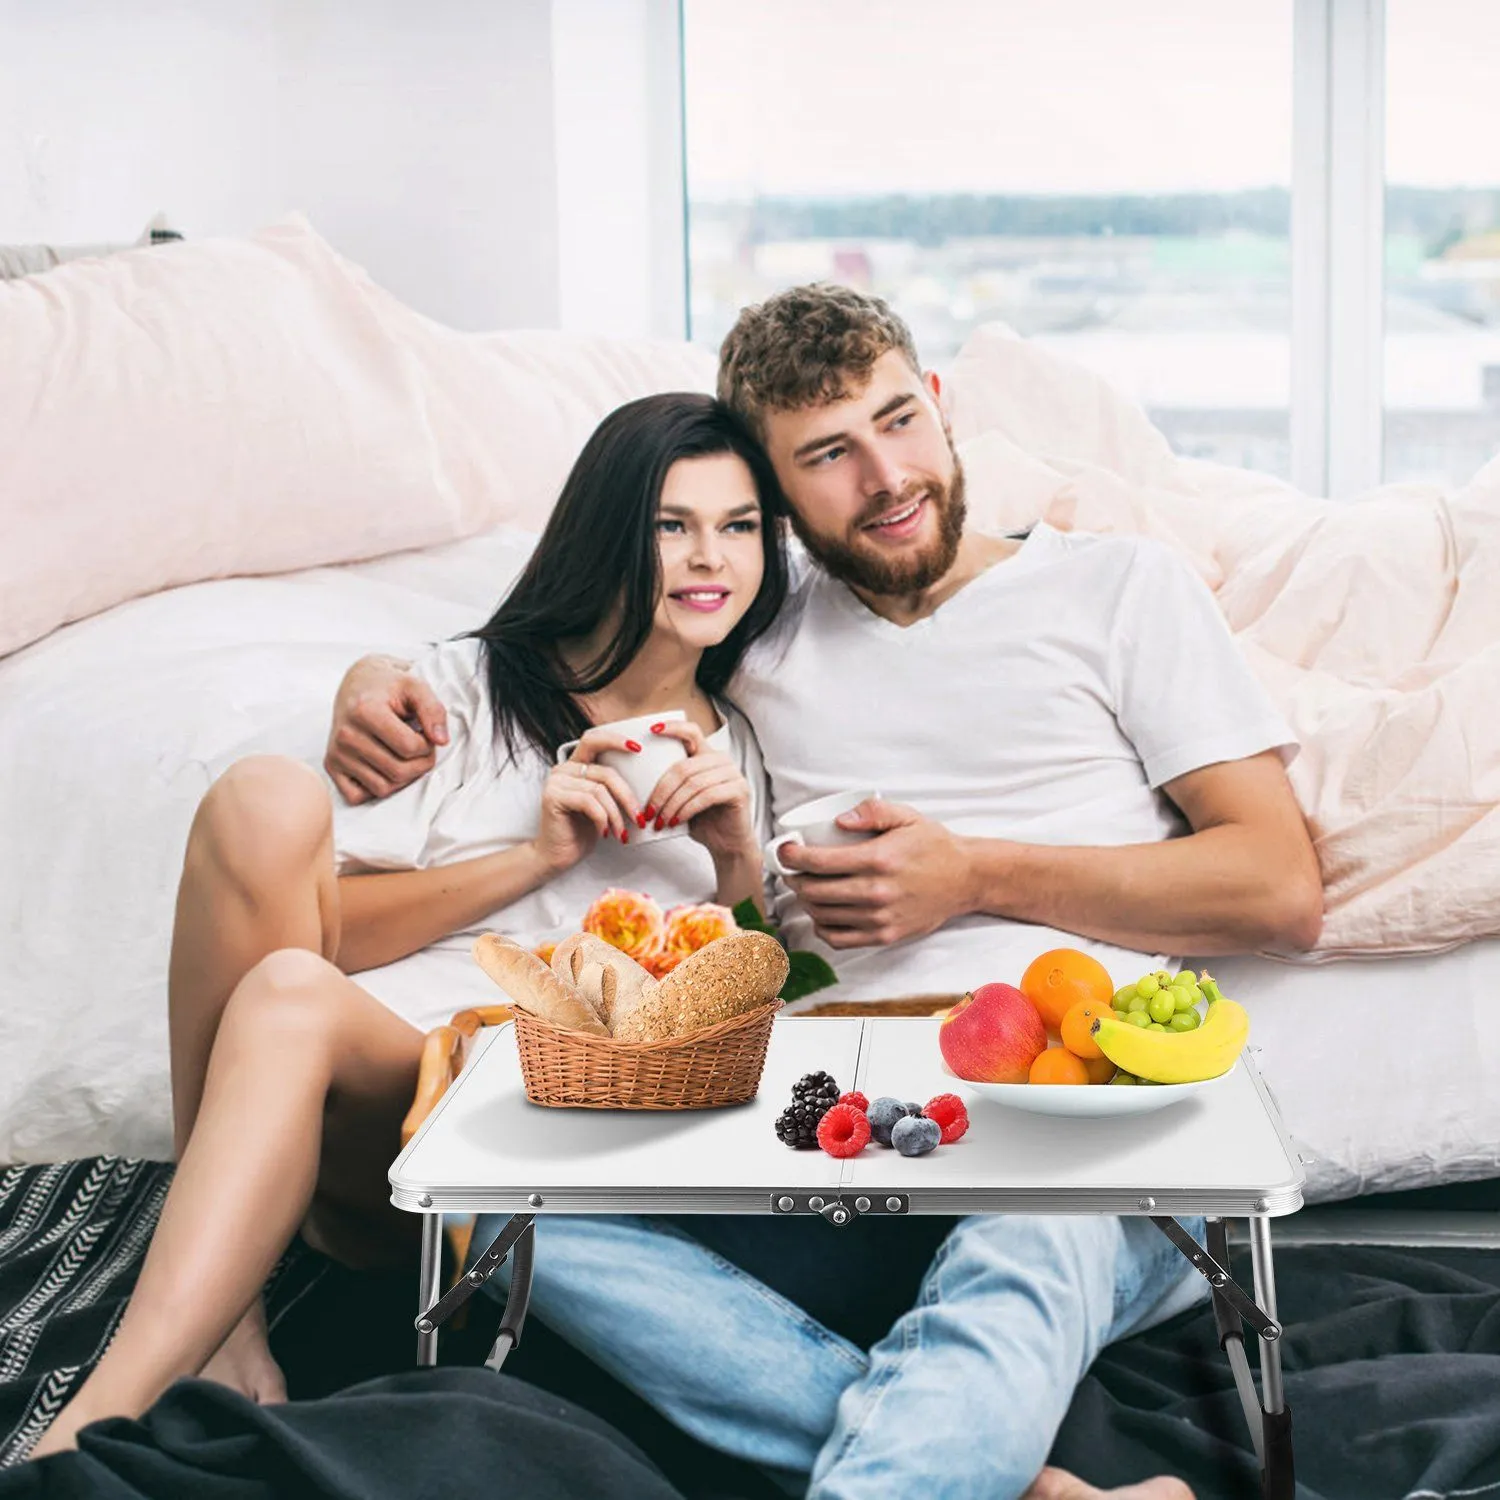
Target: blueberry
[
  {"x": 912, "y": 1109},
  {"x": 916, "y": 1136},
  {"x": 883, "y": 1114}
]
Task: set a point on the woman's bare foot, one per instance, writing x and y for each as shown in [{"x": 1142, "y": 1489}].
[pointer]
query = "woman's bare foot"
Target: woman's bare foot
[
  {"x": 1058, "y": 1484},
  {"x": 243, "y": 1361}
]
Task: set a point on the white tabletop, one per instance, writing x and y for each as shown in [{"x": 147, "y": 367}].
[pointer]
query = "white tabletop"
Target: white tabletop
[{"x": 487, "y": 1148}]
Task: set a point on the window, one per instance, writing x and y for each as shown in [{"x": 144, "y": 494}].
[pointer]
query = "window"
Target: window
[
  {"x": 1111, "y": 181},
  {"x": 1442, "y": 239}
]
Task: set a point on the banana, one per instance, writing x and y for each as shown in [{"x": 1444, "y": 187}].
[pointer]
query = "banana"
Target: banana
[{"x": 1178, "y": 1057}]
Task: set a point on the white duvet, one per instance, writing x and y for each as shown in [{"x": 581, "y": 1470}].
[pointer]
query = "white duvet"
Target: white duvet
[
  {"x": 110, "y": 732},
  {"x": 111, "y": 729}
]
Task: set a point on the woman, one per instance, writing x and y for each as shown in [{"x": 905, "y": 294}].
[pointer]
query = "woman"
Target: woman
[{"x": 662, "y": 561}]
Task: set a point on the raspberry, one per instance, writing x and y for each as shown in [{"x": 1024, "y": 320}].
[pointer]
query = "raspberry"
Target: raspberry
[
  {"x": 843, "y": 1131},
  {"x": 856, "y": 1100},
  {"x": 948, "y": 1110}
]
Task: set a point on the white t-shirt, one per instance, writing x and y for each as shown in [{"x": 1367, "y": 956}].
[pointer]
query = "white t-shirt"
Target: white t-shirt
[
  {"x": 476, "y": 802},
  {"x": 1044, "y": 703}
]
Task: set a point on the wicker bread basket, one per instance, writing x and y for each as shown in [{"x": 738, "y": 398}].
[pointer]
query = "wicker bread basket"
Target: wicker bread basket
[{"x": 721, "y": 1064}]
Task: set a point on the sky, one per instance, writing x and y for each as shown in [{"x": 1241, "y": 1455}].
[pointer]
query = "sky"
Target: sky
[{"x": 847, "y": 97}]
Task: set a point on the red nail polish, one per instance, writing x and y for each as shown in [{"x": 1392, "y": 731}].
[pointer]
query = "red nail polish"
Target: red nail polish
[
  {"x": 657, "y": 825},
  {"x": 671, "y": 822},
  {"x": 647, "y": 816},
  {"x": 631, "y": 745},
  {"x": 624, "y": 837},
  {"x": 640, "y": 820},
  {"x": 657, "y": 728}
]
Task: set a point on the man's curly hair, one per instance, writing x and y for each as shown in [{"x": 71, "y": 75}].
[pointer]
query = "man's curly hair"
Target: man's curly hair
[{"x": 806, "y": 347}]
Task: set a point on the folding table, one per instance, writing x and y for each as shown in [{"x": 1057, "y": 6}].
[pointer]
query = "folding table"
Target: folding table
[{"x": 1221, "y": 1153}]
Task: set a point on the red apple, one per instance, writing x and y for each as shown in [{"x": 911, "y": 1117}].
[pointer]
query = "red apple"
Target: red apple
[{"x": 992, "y": 1035}]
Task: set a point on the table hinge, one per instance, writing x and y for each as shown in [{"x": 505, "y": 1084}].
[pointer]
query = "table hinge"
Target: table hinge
[
  {"x": 1218, "y": 1277},
  {"x": 839, "y": 1209}
]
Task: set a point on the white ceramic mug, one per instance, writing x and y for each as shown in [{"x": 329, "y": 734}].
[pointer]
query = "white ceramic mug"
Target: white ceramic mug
[
  {"x": 814, "y": 823},
  {"x": 642, "y": 768}
]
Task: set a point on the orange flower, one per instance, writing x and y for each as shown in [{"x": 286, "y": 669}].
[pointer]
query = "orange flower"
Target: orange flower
[
  {"x": 630, "y": 920},
  {"x": 690, "y": 927},
  {"x": 661, "y": 963}
]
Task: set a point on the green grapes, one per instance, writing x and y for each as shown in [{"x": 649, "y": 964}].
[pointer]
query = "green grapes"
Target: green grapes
[
  {"x": 1162, "y": 1006},
  {"x": 1186, "y": 1020},
  {"x": 1147, "y": 986},
  {"x": 1140, "y": 1018},
  {"x": 1123, "y": 996}
]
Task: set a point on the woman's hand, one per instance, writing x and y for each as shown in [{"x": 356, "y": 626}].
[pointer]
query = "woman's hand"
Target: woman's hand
[
  {"x": 708, "y": 792},
  {"x": 583, "y": 802}
]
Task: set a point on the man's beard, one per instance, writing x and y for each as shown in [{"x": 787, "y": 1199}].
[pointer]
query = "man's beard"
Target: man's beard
[{"x": 863, "y": 568}]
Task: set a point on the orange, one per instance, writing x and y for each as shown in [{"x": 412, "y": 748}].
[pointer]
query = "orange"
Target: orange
[
  {"x": 1059, "y": 979},
  {"x": 1058, "y": 1065},
  {"x": 1077, "y": 1026},
  {"x": 1100, "y": 1069}
]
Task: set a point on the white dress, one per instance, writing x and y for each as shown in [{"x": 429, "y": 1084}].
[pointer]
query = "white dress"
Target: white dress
[{"x": 476, "y": 802}]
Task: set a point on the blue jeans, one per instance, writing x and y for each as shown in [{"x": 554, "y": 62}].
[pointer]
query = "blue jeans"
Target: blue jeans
[{"x": 964, "y": 1395}]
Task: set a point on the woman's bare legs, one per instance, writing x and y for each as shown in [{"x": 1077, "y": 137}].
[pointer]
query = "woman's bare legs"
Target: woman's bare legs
[
  {"x": 302, "y": 1055},
  {"x": 289, "y": 1081},
  {"x": 258, "y": 876}
]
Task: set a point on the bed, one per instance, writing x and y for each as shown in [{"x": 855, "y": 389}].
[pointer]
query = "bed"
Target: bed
[
  {"x": 114, "y": 724},
  {"x": 112, "y": 728}
]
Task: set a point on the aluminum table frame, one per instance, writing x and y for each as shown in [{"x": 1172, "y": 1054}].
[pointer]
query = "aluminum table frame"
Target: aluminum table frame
[{"x": 1222, "y": 1154}]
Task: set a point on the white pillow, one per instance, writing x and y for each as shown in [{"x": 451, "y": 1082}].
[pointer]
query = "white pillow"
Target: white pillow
[{"x": 198, "y": 410}]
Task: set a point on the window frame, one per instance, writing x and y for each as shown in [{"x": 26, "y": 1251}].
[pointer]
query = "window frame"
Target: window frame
[{"x": 1337, "y": 411}]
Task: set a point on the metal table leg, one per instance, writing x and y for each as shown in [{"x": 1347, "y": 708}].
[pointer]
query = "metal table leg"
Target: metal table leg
[
  {"x": 430, "y": 1284},
  {"x": 1270, "y": 1420},
  {"x": 517, "y": 1235},
  {"x": 1276, "y": 1476},
  {"x": 516, "y": 1302}
]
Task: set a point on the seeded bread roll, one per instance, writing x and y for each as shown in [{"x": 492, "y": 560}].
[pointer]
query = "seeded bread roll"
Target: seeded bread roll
[
  {"x": 721, "y": 980},
  {"x": 533, "y": 986},
  {"x": 632, "y": 984}
]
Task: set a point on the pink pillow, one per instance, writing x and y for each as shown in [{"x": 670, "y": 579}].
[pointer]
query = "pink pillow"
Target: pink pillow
[{"x": 225, "y": 407}]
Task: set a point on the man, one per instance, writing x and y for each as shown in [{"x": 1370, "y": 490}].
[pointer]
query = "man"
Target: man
[{"x": 1069, "y": 747}]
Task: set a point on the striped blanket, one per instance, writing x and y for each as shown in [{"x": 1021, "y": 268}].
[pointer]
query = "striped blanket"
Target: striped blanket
[{"x": 72, "y": 1238}]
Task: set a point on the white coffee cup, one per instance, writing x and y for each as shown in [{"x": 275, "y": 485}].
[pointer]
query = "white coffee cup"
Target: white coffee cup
[
  {"x": 642, "y": 768},
  {"x": 815, "y": 823}
]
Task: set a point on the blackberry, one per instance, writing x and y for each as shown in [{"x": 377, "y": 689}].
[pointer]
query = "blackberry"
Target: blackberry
[
  {"x": 813, "y": 1088},
  {"x": 797, "y": 1126},
  {"x": 813, "y": 1095}
]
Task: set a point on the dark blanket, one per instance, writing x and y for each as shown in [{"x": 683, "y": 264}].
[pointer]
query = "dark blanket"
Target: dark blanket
[
  {"x": 433, "y": 1433},
  {"x": 1392, "y": 1359}
]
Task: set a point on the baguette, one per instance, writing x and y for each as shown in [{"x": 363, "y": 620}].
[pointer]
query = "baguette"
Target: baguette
[
  {"x": 721, "y": 980},
  {"x": 534, "y": 987},
  {"x": 632, "y": 983}
]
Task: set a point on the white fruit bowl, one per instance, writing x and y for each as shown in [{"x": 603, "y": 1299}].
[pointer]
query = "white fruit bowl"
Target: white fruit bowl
[{"x": 1085, "y": 1100}]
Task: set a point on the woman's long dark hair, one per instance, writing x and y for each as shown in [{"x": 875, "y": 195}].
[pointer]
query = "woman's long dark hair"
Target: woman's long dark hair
[{"x": 599, "y": 553}]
